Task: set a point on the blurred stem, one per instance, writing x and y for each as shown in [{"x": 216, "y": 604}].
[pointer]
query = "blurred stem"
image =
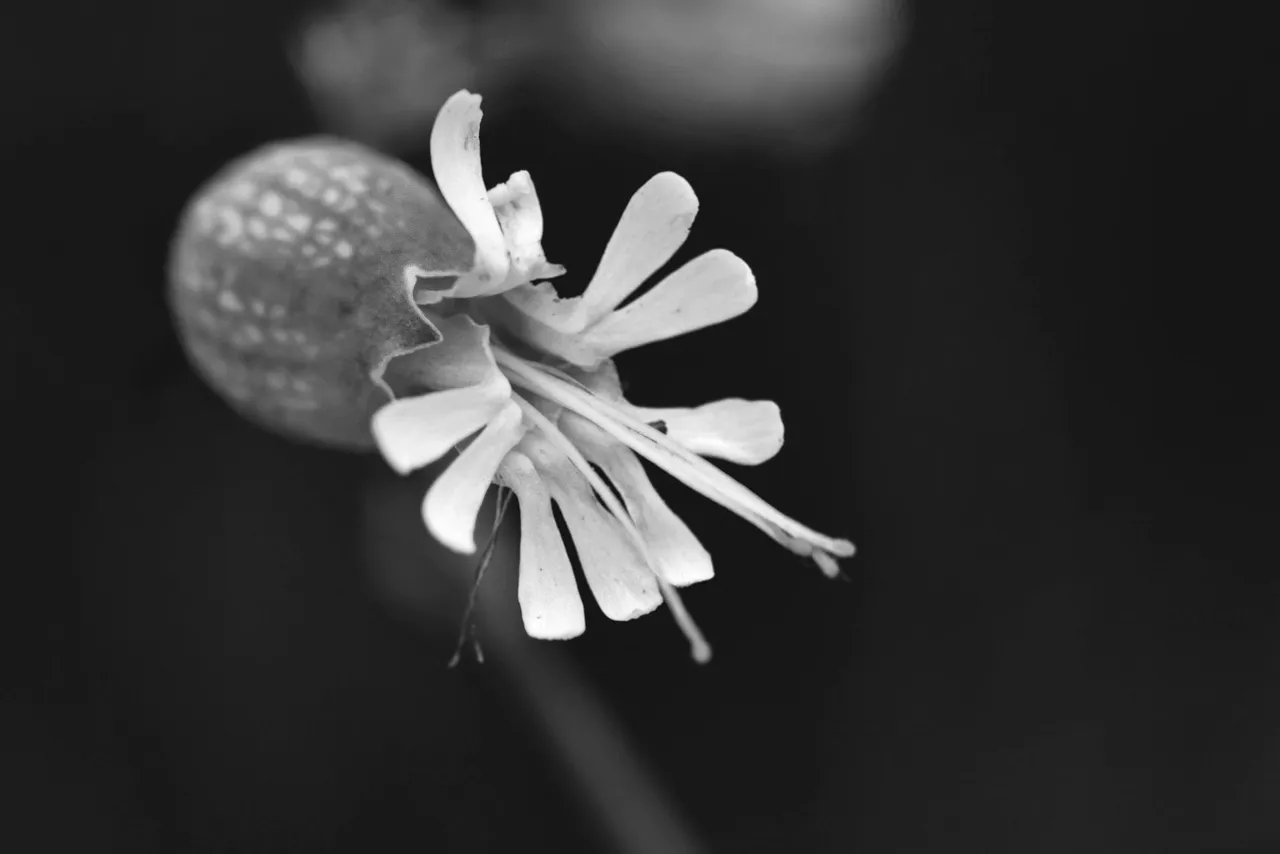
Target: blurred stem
[
  {"x": 618, "y": 790},
  {"x": 635, "y": 814}
]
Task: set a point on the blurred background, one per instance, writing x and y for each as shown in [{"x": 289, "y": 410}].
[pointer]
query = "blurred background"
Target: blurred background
[{"x": 1062, "y": 631}]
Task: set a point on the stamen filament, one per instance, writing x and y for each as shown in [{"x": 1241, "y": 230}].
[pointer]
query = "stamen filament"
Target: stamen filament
[
  {"x": 696, "y": 472},
  {"x": 468, "y": 628},
  {"x": 699, "y": 647}
]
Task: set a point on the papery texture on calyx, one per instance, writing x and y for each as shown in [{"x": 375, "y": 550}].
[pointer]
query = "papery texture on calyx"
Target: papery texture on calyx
[
  {"x": 448, "y": 390},
  {"x": 291, "y": 279}
]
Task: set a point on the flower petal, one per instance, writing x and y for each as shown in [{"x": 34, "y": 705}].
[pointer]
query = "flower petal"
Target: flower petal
[
  {"x": 414, "y": 432},
  {"x": 455, "y": 161},
  {"x": 616, "y": 572},
  {"x": 548, "y": 593},
  {"x": 747, "y": 432},
  {"x": 710, "y": 289},
  {"x": 515, "y": 203},
  {"x": 693, "y": 470},
  {"x": 654, "y": 225},
  {"x": 680, "y": 558},
  {"x": 454, "y": 500}
]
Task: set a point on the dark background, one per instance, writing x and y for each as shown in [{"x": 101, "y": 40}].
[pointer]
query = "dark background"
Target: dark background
[{"x": 1061, "y": 632}]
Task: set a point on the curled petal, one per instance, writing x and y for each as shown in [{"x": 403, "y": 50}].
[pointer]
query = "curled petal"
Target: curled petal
[
  {"x": 622, "y": 584},
  {"x": 747, "y": 432},
  {"x": 680, "y": 558},
  {"x": 454, "y": 500},
  {"x": 417, "y": 431},
  {"x": 516, "y": 205},
  {"x": 455, "y": 161},
  {"x": 548, "y": 593}
]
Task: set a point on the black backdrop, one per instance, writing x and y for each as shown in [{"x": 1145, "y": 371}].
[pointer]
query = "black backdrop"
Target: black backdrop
[{"x": 1061, "y": 631}]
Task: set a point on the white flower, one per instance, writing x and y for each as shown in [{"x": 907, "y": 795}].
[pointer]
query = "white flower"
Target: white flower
[{"x": 522, "y": 381}]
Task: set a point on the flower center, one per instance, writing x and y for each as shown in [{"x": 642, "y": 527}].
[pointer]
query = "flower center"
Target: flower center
[{"x": 539, "y": 381}]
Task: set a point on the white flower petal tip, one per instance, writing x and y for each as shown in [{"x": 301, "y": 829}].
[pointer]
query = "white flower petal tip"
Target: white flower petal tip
[
  {"x": 550, "y": 606},
  {"x": 616, "y": 571},
  {"x": 573, "y": 480},
  {"x": 552, "y": 626},
  {"x": 455, "y": 161},
  {"x": 747, "y": 432},
  {"x": 680, "y": 563},
  {"x": 453, "y": 501},
  {"x": 677, "y": 555}
]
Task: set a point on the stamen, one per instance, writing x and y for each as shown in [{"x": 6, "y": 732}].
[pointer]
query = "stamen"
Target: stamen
[
  {"x": 693, "y": 470},
  {"x": 699, "y": 647}
]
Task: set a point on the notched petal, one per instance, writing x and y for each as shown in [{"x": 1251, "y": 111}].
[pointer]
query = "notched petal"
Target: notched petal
[
  {"x": 454, "y": 500},
  {"x": 417, "y": 431},
  {"x": 712, "y": 288},
  {"x": 549, "y": 602},
  {"x": 616, "y": 572},
  {"x": 654, "y": 225},
  {"x": 678, "y": 555}
]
